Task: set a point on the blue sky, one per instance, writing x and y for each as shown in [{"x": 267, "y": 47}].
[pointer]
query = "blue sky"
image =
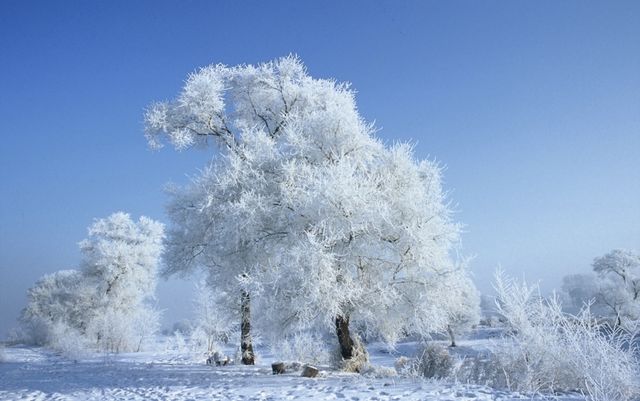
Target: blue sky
[{"x": 534, "y": 107}]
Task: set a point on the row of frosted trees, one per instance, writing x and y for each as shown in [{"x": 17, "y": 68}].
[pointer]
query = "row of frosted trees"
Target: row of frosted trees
[{"x": 305, "y": 222}]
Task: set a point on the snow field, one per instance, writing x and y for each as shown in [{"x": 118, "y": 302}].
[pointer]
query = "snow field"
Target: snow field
[{"x": 31, "y": 374}]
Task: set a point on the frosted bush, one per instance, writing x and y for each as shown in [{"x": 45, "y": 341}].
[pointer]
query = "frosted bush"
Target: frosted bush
[
  {"x": 111, "y": 331},
  {"x": 431, "y": 362},
  {"x": 358, "y": 361},
  {"x": 32, "y": 332},
  {"x": 201, "y": 344},
  {"x": 550, "y": 351},
  {"x": 404, "y": 366},
  {"x": 434, "y": 362},
  {"x": 476, "y": 370},
  {"x": 68, "y": 341},
  {"x": 212, "y": 319},
  {"x": 490, "y": 321},
  {"x": 302, "y": 347},
  {"x": 379, "y": 371},
  {"x": 177, "y": 343}
]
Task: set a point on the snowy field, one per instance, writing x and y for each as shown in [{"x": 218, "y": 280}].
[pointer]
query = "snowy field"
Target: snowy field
[{"x": 31, "y": 373}]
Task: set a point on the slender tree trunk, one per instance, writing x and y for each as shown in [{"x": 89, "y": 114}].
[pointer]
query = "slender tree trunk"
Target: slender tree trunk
[
  {"x": 246, "y": 343},
  {"x": 344, "y": 337},
  {"x": 451, "y": 336}
]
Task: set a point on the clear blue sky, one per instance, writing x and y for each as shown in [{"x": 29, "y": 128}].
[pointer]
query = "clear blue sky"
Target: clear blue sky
[{"x": 534, "y": 107}]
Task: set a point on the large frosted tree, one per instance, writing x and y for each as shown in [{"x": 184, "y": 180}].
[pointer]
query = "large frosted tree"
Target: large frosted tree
[{"x": 304, "y": 213}]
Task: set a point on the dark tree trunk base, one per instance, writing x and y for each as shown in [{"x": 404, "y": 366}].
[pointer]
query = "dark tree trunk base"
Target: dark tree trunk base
[
  {"x": 344, "y": 337},
  {"x": 451, "y": 336}
]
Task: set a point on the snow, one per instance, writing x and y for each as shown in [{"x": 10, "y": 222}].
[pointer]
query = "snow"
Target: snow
[{"x": 32, "y": 373}]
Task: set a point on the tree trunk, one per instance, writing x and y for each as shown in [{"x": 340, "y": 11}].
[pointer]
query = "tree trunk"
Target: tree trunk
[
  {"x": 344, "y": 337},
  {"x": 451, "y": 336},
  {"x": 246, "y": 343}
]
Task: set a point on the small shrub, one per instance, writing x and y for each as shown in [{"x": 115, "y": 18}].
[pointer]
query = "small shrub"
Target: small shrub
[
  {"x": 201, "y": 343},
  {"x": 434, "y": 362},
  {"x": 177, "y": 343},
  {"x": 358, "y": 361},
  {"x": 302, "y": 347},
  {"x": 378, "y": 372},
  {"x": 551, "y": 351},
  {"x": 404, "y": 366},
  {"x": 35, "y": 331},
  {"x": 490, "y": 321},
  {"x": 495, "y": 369},
  {"x": 68, "y": 341}
]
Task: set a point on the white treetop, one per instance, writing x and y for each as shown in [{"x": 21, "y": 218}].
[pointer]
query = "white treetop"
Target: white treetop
[
  {"x": 621, "y": 263},
  {"x": 121, "y": 256}
]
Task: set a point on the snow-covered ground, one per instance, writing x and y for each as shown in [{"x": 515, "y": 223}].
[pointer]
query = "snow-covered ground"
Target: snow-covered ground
[{"x": 31, "y": 373}]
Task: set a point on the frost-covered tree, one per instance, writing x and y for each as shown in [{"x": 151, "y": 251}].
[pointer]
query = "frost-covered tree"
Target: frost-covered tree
[
  {"x": 121, "y": 256},
  {"x": 120, "y": 262},
  {"x": 304, "y": 212},
  {"x": 58, "y": 299},
  {"x": 619, "y": 284},
  {"x": 578, "y": 290},
  {"x": 211, "y": 322},
  {"x": 106, "y": 301},
  {"x": 613, "y": 291},
  {"x": 464, "y": 308}
]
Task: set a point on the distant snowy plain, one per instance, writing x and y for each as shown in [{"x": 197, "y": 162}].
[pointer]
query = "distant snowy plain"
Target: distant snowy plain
[{"x": 32, "y": 373}]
